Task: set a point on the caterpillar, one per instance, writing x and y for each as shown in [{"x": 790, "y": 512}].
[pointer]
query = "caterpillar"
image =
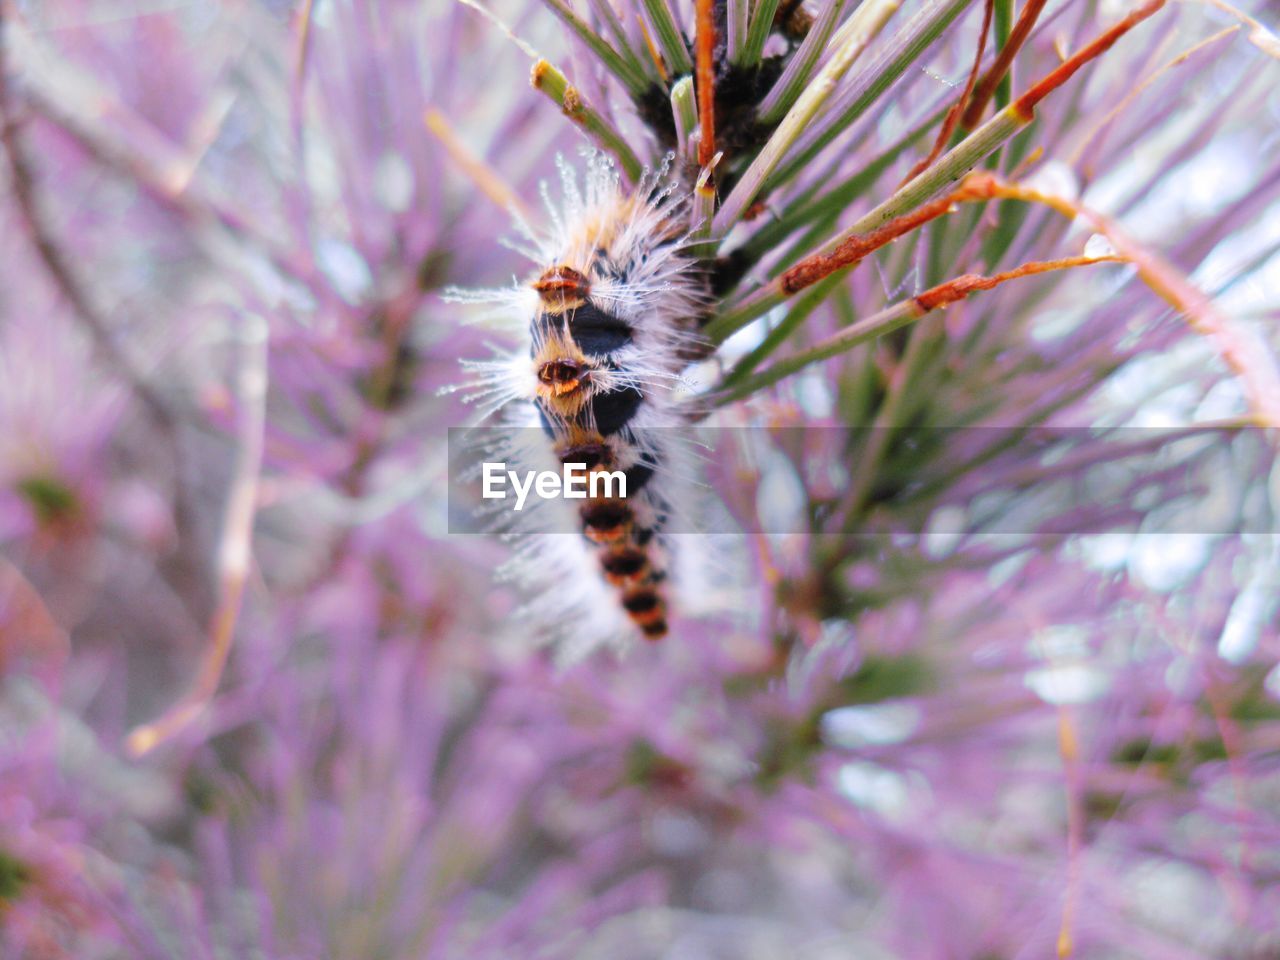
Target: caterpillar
[{"x": 610, "y": 319}]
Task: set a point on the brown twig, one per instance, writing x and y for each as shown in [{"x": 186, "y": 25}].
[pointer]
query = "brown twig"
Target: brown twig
[
  {"x": 892, "y": 318},
  {"x": 852, "y": 249},
  {"x": 986, "y": 88},
  {"x": 952, "y": 119},
  {"x": 960, "y": 287},
  {"x": 1026, "y": 104},
  {"x": 706, "y": 43},
  {"x": 856, "y": 248}
]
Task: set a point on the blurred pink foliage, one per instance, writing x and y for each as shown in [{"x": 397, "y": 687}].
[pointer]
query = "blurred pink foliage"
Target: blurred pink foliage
[{"x": 921, "y": 748}]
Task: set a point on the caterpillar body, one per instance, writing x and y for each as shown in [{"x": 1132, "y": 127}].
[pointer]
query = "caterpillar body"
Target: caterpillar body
[{"x": 612, "y": 320}]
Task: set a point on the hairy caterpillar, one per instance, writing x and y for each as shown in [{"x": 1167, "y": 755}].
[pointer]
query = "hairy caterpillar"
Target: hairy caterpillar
[{"x": 612, "y": 317}]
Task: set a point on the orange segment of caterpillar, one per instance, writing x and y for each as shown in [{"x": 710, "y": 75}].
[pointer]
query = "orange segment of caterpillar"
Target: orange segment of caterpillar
[{"x": 630, "y": 556}]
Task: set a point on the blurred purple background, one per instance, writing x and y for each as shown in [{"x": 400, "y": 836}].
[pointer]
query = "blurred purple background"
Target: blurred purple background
[{"x": 225, "y": 231}]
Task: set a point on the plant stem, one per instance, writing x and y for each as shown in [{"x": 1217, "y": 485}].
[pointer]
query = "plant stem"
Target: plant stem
[
  {"x": 795, "y": 316},
  {"x": 668, "y": 37},
  {"x": 951, "y": 167},
  {"x": 758, "y": 32},
  {"x": 905, "y": 47},
  {"x": 870, "y": 17},
  {"x": 631, "y": 77},
  {"x": 889, "y": 319},
  {"x": 604, "y": 10},
  {"x": 881, "y": 434},
  {"x": 800, "y": 68},
  {"x": 738, "y": 14},
  {"x": 813, "y": 206},
  {"x": 705, "y": 41},
  {"x": 876, "y": 325},
  {"x": 1003, "y": 26},
  {"x": 948, "y": 169},
  {"x": 704, "y": 206},
  {"x": 550, "y": 81},
  {"x": 685, "y": 109}
]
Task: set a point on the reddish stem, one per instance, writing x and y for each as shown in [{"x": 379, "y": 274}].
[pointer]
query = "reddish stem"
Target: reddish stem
[
  {"x": 706, "y": 43},
  {"x": 1025, "y": 105},
  {"x": 953, "y": 115},
  {"x": 959, "y": 288},
  {"x": 1004, "y": 62},
  {"x": 856, "y": 248}
]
